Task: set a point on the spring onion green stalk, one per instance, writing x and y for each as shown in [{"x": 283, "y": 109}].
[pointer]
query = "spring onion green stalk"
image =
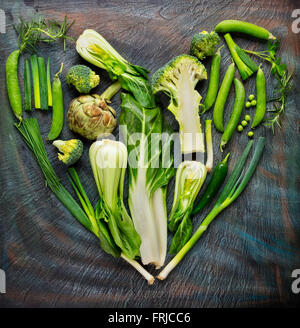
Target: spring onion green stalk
[
  {"x": 49, "y": 84},
  {"x": 190, "y": 176},
  {"x": 109, "y": 161},
  {"x": 36, "y": 81},
  {"x": 90, "y": 219},
  {"x": 209, "y": 146},
  {"x": 234, "y": 187},
  {"x": 27, "y": 86},
  {"x": 43, "y": 83},
  {"x": 243, "y": 62}
]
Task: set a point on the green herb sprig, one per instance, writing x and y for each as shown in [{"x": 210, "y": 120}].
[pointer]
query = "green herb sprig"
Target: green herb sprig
[
  {"x": 41, "y": 30},
  {"x": 284, "y": 78}
]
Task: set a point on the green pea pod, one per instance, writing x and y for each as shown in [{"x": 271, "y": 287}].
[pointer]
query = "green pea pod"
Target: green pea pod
[
  {"x": 213, "y": 81},
  {"x": 261, "y": 101},
  {"x": 12, "y": 83},
  {"x": 232, "y": 25},
  {"x": 214, "y": 185},
  {"x": 222, "y": 97},
  {"x": 236, "y": 113},
  {"x": 57, "y": 108}
]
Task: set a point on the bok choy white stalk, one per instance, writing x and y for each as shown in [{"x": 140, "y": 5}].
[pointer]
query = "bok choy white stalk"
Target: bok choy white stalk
[
  {"x": 190, "y": 176},
  {"x": 149, "y": 145}
]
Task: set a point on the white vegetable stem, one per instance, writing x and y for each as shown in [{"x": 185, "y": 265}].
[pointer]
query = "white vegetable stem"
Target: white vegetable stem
[
  {"x": 140, "y": 269},
  {"x": 209, "y": 146}
]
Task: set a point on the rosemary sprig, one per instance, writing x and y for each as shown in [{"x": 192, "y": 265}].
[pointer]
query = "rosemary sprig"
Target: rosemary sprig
[
  {"x": 281, "y": 73},
  {"x": 41, "y": 30}
]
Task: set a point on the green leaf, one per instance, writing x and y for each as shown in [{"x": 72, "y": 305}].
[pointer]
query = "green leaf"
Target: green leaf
[{"x": 182, "y": 235}]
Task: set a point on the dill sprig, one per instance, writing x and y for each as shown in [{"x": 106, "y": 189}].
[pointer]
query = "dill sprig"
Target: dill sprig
[
  {"x": 41, "y": 30},
  {"x": 284, "y": 78}
]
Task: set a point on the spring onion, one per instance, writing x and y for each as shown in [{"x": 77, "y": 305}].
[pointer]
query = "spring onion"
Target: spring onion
[
  {"x": 49, "y": 84},
  {"x": 209, "y": 146},
  {"x": 43, "y": 83},
  {"x": 234, "y": 187}
]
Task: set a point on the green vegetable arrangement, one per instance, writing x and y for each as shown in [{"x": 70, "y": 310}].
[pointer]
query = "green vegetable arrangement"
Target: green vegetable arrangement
[{"x": 140, "y": 234}]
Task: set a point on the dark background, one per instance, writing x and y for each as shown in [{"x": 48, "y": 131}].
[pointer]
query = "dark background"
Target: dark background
[{"x": 246, "y": 257}]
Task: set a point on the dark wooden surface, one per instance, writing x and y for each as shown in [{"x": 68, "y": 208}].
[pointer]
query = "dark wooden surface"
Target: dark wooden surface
[{"x": 247, "y": 255}]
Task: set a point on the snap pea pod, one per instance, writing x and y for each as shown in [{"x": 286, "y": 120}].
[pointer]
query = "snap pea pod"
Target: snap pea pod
[
  {"x": 222, "y": 97},
  {"x": 261, "y": 98},
  {"x": 214, "y": 185},
  {"x": 232, "y": 25},
  {"x": 12, "y": 83},
  {"x": 236, "y": 113},
  {"x": 213, "y": 81},
  {"x": 57, "y": 108}
]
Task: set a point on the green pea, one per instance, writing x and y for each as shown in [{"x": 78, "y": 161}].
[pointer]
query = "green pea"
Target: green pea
[
  {"x": 244, "y": 123},
  {"x": 250, "y": 134},
  {"x": 253, "y": 102},
  {"x": 248, "y": 118},
  {"x": 240, "y": 128},
  {"x": 248, "y": 104},
  {"x": 251, "y": 97}
]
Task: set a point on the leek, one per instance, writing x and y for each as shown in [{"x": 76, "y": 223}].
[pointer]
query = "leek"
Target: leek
[{"x": 234, "y": 187}]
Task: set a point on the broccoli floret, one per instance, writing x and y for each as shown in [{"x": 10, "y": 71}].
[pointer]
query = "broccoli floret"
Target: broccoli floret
[
  {"x": 82, "y": 78},
  {"x": 204, "y": 44},
  {"x": 71, "y": 150},
  {"x": 178, "y": 79}
]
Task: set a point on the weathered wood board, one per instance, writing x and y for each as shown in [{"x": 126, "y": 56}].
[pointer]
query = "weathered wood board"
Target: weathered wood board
[{"x": 246, "y": 257}]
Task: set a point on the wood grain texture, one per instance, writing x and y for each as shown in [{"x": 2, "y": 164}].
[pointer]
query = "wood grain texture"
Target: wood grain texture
[{"x": 247, "y": 255}]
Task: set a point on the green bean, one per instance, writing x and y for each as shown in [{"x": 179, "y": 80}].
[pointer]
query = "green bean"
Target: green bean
[
  {"x": 12, "y": 83},
  {"x": 27, "y": 86},
  {"x": 232, "y": 25},
  {"x": 222, "y": 97},
  {"x": 261, "y": 98},
  {"x": 236, "y": 113},
  {"x": 58, "y": 108},
  {"x": 213, "y": 81}
]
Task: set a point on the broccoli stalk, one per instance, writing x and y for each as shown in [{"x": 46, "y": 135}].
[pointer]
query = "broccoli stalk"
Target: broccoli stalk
[{"x": 178, "y": 80}]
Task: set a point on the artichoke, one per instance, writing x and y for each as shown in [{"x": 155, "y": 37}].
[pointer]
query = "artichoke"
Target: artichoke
[{"x": 91, "y": 116}]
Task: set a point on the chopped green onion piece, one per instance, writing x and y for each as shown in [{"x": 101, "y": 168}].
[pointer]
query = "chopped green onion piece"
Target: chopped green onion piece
[
  {"x": 43, "y": 83},
  {"x": 36, "y": 81},
  {"x": 50, "y": 103},
  {"x": 27, "y": 86}
]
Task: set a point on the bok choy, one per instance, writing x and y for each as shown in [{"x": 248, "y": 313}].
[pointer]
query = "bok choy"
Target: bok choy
[
  {"x": 190, "y": 176},
  {"x": 149, "y": 145},
  {"x": 108, "y": 159}
]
